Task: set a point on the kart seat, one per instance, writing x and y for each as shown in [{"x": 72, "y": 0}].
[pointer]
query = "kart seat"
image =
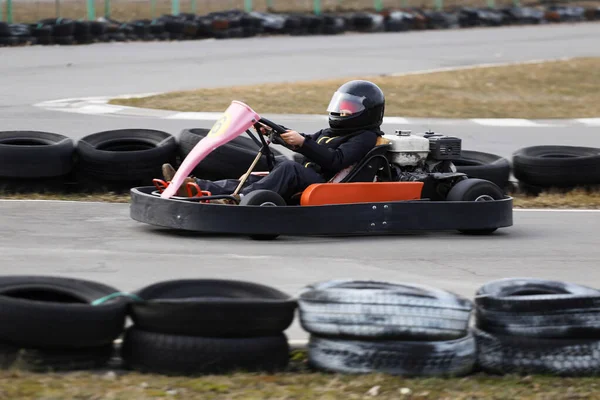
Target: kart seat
[
  {"x": 363, "y": 171},
  {"x": 366, "y": 170}
]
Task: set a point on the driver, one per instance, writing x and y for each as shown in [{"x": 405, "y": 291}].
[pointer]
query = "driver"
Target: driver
[{"x": 355, "y": 115}]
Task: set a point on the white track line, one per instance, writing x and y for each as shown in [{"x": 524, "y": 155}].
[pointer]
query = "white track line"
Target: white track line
[
  {"x": 507, "y": 122},
  {"x": 589, "y": 121},
  {"x": 479, "y": 66}
]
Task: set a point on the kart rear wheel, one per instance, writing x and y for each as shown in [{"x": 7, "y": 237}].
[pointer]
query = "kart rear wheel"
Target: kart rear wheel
[
  {"x": 263, "y": 198},
  {"x": 474, "y": 189}
]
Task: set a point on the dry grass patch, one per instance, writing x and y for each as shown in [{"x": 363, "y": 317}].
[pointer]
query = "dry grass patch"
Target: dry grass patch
[
  {"x": 97, "y": 197},
  {"x": 304, "y": 385},
  {"x": 577, "y": 198},
  {"x": 558, "y": 89}
]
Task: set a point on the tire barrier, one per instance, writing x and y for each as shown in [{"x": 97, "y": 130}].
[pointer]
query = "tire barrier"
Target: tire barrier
[
  {"x": 52, "y": 323},
  {"x": 490, "y": 167},
  {"x": 543, "y": 167},
  {"x": 215, "y": 326},
  {"x": 208, "y": 326},
  {"x": 535, "y": 326},
  {"x": 116, "y": 160},
  {"x": 124, "y": 156},
  {"x": 400, "y": 329},
  {"x": 239, "y": 24},
  {"x": 104, "y": 161},
  {"x": 34, "y": 160}
]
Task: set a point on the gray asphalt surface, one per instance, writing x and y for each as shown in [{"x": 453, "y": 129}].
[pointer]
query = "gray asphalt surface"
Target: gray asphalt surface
[{"x": 101, "y": 242}]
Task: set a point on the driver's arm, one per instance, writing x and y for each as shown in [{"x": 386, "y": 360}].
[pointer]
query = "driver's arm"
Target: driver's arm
[{"x": 337, "y": 159}]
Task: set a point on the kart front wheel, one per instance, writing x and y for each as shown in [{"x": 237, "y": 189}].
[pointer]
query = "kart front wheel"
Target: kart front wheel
[
  {"x": 475, "y": 190},
  {"x": 263, "y": 198}
]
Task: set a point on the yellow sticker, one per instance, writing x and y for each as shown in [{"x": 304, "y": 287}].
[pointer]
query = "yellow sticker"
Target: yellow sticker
[{"x": 220, "y": 127}]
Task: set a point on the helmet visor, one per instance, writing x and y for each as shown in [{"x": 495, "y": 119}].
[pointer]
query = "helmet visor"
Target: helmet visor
[{"x": 344, "y": 103}]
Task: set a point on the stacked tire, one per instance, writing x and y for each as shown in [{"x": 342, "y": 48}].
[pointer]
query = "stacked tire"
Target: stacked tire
[
  {"x": 58, "y": 324},
  {"x": 123, "y": 158},
  {"x": 34, "y": 161},
  {"x": 198, "y": 326},
  {"x": 481, "y": 165},
  {"x": 398, "y": 329},
  {"x": 535, "y": 326},
  {"x": 560, "y": 167}
]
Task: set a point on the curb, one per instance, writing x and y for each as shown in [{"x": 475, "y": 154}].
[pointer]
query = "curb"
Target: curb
[{"x": 99, "y": 106}]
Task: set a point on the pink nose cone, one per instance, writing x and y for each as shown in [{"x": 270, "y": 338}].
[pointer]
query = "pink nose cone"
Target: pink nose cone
[{"x": 235, "y": 120}]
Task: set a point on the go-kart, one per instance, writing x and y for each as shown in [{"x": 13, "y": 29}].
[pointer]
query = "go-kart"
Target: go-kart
[{"x": 405, "y": 183}]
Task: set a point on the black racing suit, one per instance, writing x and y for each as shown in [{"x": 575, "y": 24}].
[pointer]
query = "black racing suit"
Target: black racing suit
[{"x": 325, "y": 154}]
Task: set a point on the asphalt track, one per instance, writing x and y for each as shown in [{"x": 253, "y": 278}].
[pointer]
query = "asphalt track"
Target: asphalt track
[{"x": 100, "y": 241}]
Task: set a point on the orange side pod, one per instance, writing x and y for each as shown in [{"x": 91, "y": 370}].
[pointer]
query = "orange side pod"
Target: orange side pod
[{"x": 360, "y": 192}]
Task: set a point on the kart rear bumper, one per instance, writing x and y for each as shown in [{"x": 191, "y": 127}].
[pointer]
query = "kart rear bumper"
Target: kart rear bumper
[{"x": 345, "y": 219}]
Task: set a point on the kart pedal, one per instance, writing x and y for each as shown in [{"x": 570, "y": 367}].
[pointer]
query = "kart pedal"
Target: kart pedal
[
  {"x": 160, "y": 184},
  {"x": 191, "y": 186}
]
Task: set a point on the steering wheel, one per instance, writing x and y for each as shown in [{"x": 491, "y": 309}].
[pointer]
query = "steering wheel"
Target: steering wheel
[{"x": 274, "y": 137}]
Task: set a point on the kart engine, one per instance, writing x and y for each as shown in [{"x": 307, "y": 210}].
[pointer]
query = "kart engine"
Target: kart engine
[{"x": 414, "y": 156}]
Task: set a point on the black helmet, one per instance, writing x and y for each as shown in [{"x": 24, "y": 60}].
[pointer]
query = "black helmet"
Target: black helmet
[{"x": 357, "y": 104}]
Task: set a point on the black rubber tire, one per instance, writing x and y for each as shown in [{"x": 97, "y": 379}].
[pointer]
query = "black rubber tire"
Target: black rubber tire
[
  {"x": 151, "y": 352},
  {"x": 557, "y": 166},
  {"x": 356, "y": 309},
  {"x": 263, "y": 198},
  {"x": 55, "y": 360},
  {"x": 41, "y": 31},
  {"x": 9, "y": 41},
  {"x": 33, "y": 154},
  {"x": 229, "y": 161},
  {"x": 64, "y": 40},
  {"x": 54, "y": 312},
  {"x": 538, "y": 308},
  {"x": 404, "y": 358},
  {"x": 61, "y": 27},
  {"x": 213, "y": 307},
  {"x": 126, "y": 154},
  {"x": 491, "y": 167},
  {"x": 499, "y": 354},
  {"x": 472, "y": 189}
]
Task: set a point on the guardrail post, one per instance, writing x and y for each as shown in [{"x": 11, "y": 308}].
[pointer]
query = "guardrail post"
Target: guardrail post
[
  {"x": 9, "y": 16},
  {"x": 248, "y": 5},
  {"x": 175, "y": 7},
  {"x": 516, "y": 3},
  {"x": 491, "y": 3},
  {"x": 439, "y": 5},
  {"x": 317, "y": 7},
  {"x": 194, "y": 7},
  {"x": 152, "y": 8},
  {"x": 91, "y": 10},
  {"x": 269, "y": 4},
  {"x": 107, "y": 8},
  {"x": 378, "y": 5}
]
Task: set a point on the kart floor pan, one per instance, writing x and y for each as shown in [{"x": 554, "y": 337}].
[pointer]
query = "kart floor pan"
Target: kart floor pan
[{"x": 345, "y": 219}]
